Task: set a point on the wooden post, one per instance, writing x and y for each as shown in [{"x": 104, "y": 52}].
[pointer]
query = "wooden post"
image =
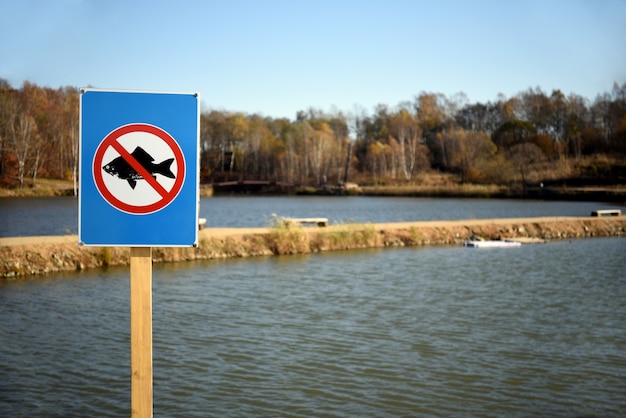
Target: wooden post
[{"x": 141, "y": 331}]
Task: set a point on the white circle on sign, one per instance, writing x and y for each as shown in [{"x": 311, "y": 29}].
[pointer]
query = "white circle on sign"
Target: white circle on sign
[{"x": 137, "y": 143}]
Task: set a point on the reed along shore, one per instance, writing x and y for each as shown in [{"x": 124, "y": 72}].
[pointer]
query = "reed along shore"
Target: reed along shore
[{"x": 30, "y": 256}]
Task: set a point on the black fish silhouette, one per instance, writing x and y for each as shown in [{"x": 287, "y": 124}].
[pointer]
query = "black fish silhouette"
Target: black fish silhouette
[{"x": 119, "y": 167}]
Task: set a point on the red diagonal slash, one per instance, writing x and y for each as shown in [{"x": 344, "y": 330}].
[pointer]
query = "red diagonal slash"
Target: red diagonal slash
[{"x": 139, "y": 169}]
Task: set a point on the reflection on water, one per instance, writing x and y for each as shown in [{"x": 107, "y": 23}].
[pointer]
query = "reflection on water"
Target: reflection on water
[{"x": 531, "y": 331}]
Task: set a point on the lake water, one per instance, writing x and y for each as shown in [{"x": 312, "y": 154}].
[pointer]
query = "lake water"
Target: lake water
[
  {"x": 59, "y": 215},
  {"x": 538, "y": 330}
]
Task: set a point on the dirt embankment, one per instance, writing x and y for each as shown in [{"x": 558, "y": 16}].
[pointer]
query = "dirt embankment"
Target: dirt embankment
[{"x": 27, "y": 256}]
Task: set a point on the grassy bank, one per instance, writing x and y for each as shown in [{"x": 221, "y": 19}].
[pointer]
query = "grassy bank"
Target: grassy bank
[
  {"x": 55, "y": 187},
  {"x": 47, "y": 187},
  {"x": 42, "y": 255},
  {"x": 615, "y": 194},
  {"x": 442, "y": 190},
  {"x": 41, "y": 188}
]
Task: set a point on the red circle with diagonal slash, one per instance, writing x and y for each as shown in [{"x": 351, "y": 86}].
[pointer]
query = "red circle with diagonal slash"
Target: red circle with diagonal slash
[{"x": 112, "y": 141}]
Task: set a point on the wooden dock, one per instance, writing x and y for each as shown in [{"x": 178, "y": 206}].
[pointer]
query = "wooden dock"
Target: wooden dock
[
  {"x": 306, "y": 221},
  {"x": 607, "y": 212}
]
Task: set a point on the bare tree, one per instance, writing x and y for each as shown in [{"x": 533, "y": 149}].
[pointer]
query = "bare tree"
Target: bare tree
[
  {"x": 524, "y": 157},
  {"x": 406, "y": 131},
  {"x": 22, "y": 131}
]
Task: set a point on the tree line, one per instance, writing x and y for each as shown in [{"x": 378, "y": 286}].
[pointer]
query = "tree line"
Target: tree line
[{"x": 480, "y": 142}]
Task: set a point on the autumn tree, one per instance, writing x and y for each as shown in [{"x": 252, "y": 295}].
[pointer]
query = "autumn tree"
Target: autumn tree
[
  {"x": 60, "y": 127},
  {"x": 69, "y": 131},
  {"x": 213, "y": 142},
  {"x": 432, "y": 120},
  {"x": 618, "y": 118},
  {"x": 513, "y": 132},
  {"x": 320, "y": 149},
  {"x": 524, "y": 157},
  {"x": 467, "y": 151},
  {"x": 339, "y": 125},
  {"x": 577, "y": 123},
  {"x": 44, "y": 146},
  {"x": 377, "y": 160},
  {"x": 405, "y": 129},
  {"x": 22, "y": 128},
  {"x": 536, "y": 108},
  {"x": 609, "y": 112},
  {"x": 7, "y": 101},
  {"x": 472, "y": 117},
  {"x": 557, "y": 118},
  {"x": 257, "y": 135},
  {"x": 295, "y": 166},
  {"x": 238, "y": 131}
]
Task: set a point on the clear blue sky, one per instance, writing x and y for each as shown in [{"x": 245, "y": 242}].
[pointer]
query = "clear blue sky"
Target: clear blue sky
[{"x": 278, "y": 57}]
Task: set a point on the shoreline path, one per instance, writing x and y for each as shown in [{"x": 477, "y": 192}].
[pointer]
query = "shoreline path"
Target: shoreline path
[{"x": 226, "y": 232}]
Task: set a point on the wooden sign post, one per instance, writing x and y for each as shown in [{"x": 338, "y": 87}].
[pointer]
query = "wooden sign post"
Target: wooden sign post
[
  {"x": 141, "y": 331},
  {"x": 140, "y": 171}
]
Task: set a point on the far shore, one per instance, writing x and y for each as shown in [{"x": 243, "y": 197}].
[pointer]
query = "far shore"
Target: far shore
[{"x": 616, "y": 193}]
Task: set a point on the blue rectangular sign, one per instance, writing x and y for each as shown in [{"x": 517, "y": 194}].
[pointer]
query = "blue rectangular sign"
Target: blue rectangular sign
[{"x": 139, "y": 168}]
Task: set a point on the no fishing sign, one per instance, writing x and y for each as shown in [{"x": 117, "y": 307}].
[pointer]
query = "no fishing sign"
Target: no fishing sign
[{"x": 139, "y": 170}]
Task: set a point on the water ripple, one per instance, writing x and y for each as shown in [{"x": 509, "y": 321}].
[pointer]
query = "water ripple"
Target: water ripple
[{"x": 538, "y": 331}]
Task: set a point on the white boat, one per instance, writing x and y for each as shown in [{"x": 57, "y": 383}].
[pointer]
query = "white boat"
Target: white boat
[{"x": 492, "y": 244}]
